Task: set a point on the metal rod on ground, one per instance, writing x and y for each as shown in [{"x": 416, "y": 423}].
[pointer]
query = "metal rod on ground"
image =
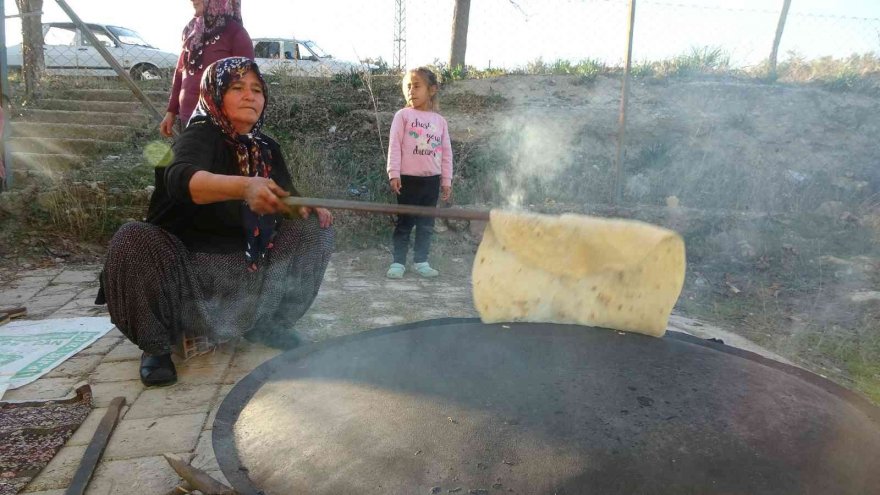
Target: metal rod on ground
[
  {"x": 95, "y": 449},
  {"x": 123, "y": 74},
  {"x": 621, "y": 132},
  {"x": 389, "y": 209}
]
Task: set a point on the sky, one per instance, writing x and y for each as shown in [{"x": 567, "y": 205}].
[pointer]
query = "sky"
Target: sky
[{"x": 511, "y": 33}]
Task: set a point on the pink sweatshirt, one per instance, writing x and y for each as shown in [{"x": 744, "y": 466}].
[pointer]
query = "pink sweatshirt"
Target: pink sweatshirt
[
  {"x": 419, "y": 145},
  {"x": 234, "y": 42}
]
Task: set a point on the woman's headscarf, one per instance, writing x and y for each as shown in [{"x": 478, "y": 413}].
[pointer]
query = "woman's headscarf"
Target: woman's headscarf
[
  {"x": 251, "y": 151},
  {"x": 206, "y": 29}
]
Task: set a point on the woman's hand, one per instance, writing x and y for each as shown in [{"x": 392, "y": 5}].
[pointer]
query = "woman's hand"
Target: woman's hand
[
  {"x": 263, "y": 196},
  {"x": 167, "y": 124},
  {"x": 395, "y": 186},
  {"x": 325, "y": 218},
  {"x": 445, "y": 192}
]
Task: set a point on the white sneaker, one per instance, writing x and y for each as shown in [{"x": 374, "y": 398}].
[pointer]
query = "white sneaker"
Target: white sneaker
[{"x": 425, "y": 270}]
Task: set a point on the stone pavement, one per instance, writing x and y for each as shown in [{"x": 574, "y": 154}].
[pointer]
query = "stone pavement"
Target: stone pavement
[{"x": 354, "y": 297}]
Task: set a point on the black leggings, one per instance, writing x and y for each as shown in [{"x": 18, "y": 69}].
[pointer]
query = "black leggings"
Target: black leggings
[{"x": 420, "y": 191}]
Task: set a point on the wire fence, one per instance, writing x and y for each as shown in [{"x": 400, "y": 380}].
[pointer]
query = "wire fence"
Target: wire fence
[{"x": 511, "y": 34}]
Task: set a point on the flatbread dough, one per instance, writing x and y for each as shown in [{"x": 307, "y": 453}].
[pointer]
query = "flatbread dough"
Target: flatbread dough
[{"x": 620, "y": 274}]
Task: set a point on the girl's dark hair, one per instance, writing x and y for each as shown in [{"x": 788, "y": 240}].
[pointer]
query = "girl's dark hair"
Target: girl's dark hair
[{"x": 431, "y": 79}]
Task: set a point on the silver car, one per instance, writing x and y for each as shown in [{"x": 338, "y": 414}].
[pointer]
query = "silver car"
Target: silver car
[{"x": 67, "y": 52}]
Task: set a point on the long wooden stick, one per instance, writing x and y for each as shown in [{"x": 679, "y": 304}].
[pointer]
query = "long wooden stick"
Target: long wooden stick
[
  {"x": 388, "y": 208},
  {"x": 197, "y": 478},
  {"x": 95, "y": 449}
]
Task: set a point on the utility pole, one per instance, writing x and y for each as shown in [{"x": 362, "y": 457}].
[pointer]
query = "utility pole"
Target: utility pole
[{"x": 399, "y": 56}]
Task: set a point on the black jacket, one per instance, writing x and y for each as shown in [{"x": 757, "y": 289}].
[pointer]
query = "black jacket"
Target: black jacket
[{"x": 211, "y": 228}]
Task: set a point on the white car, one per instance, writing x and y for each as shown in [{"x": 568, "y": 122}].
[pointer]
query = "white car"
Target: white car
[
  {"x": 299, "y": 58},
  {"x": 68, "y": 53}
]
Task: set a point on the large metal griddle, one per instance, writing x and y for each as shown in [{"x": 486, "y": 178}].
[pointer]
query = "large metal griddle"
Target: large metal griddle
[{"x": 456, "y": 406}]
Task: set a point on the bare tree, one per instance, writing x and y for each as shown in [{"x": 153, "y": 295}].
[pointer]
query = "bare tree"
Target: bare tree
[
  {"x": 33, "y": 63},
  {"x": 460, "y": 17},
  {"x": 459, "y": 33}
]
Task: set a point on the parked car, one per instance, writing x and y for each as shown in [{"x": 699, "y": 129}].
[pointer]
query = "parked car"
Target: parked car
[
  {"x": 300, "y": 57},
  {"x": 68, "y": 52}
]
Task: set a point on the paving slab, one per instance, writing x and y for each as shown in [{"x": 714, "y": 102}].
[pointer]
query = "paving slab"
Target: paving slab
[
  {"x": 116, "y": 371},
  {"x": 218, "y": 400},
  {"x": 42, "y": 389},
  {"x": 103, "y": 393},
  {"x": 54, "y": 289},
  {"x": 203, "y": 457},
  {"x": 125, "y": 351},
  {"x": 101, "y": 346},
  {"x": 138, "y": 476},
  {"x": 76, "y": 366},
  {"x": 148, "y": 437},
  {"x": 76, "y": 277},
  {"x": 176, "y": 399}
]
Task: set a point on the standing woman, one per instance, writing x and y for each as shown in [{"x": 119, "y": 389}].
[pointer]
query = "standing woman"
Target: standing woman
[
  {"x": 215, "y": 259},
  {"x": 215, "y": 32}
]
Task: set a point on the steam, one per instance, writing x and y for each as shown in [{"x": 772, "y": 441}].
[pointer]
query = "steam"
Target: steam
[{"x": 539, "y": 152}]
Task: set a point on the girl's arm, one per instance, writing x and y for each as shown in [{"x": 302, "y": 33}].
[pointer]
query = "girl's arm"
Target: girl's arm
[
  {"x": 395, "y": 141},
  {"x": 446, "y": 158}
]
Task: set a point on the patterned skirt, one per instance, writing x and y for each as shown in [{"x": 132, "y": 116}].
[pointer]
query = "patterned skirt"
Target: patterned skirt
[{"x": 165, "y": 298}]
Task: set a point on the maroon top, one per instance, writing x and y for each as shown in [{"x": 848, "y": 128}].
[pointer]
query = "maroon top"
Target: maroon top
[{"x": 234, "y": 41}]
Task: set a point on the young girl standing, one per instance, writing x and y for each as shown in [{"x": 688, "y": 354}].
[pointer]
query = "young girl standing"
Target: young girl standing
[{"x": 419, "y": 167}]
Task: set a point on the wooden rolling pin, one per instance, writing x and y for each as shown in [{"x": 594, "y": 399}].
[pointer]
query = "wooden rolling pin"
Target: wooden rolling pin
[{"x": 388, "y": 209}]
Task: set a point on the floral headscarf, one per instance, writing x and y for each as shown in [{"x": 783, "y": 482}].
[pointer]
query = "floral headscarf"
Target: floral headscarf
[
  {"x": 206, "y": 29},
  {"x": 252, "y": 152}
]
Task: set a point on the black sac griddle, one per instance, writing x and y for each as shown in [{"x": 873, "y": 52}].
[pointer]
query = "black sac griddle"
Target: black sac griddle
[{"x": 457, "y": 406}]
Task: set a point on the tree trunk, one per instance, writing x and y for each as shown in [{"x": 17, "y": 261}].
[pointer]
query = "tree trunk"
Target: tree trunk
[
  {"x": 780, "y": 26},
  {"x": 33, "y": 62},
  {"x": 459, "y": 34}
]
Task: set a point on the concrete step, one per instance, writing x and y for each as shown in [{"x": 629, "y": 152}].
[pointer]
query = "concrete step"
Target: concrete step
[
  {"x": 93, "y": 106},
  {"x": 84, "y": 117},
  {"x": 63, "y": 145},
  {"x": 42, "y": 168},
  {"x": 81, "y": 131},
  {"x": 158, "y": 97}
]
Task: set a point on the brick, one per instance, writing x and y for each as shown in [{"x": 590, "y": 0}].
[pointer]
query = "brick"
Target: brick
[{"x": 247, "y": 357}]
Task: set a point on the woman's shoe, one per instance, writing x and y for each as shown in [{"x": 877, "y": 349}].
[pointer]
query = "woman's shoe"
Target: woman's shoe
[
  {"x": 396, "y": 270},
  {"x": 157, "y": 371}
]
